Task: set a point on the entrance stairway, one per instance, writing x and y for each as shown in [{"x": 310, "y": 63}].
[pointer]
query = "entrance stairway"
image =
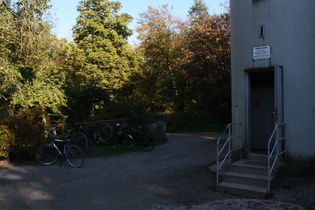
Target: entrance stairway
[
  {"x": 248, "y": 177},
  {"x": 253, "y": 177}
]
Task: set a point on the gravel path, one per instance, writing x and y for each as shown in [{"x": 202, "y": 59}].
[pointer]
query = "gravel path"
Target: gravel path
[{"x": 172, "y": 176}]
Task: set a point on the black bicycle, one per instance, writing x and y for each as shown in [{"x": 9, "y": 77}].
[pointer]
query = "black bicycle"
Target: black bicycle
[
  {"x": 48, "y": 154},
  {"x": 135, "y": 137},
  {"x": 80, "y": 139},
  {"x": 75, "y": 137},
  {"x": 99, "y": 132}
]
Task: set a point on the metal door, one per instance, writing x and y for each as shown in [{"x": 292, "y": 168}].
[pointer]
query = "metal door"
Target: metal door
[
  {"x": 261, "y": 117},
  {"x": 264, "y": 105}
]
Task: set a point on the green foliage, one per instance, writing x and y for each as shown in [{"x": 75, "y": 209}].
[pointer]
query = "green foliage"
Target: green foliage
[
  {"x": 29, "y": 132},
  {"x": 6, "y": 140},
  {"x": 28, "y": 76},
  {"x": 30, "y": 83},
  {"x": 157, "y": 32},
  {"x": 101, "y": 60},
  {"x": 22, "y": 133},
  {"x": 206, "y": 50},
  {"x": 100, "y": 34},
  {"x": 40, "y": 92},
  {"x": 199, "y": 11},
  {"x": 187, "y": 67},
  {"x": 10, "y": 82},
  {"x": 192, "y": 121}
]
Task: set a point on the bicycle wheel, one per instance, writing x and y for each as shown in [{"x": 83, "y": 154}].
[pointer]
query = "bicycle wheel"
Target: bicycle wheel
[
  {"x": 147, "y": 142},
  {"x": 46, "y": 154},
  {"x": 82, "y": 141},
  {"x": 104, "y": 132},
  {"x": 75, "y": 156}
]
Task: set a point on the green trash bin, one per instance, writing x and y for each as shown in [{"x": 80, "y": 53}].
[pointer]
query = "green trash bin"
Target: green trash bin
[{"x": 161, "y": 129}]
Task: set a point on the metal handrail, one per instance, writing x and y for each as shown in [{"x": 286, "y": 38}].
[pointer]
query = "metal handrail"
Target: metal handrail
[
  {"x": 228, "y": 143},
  {"x": 276, "y": 150}
]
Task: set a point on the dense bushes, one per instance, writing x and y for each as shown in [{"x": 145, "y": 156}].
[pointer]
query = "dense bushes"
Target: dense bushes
[
  {"x": 190, "y": 121},
  {"x": 6, "y": 139},
  {"x": 21, "y": 134}
]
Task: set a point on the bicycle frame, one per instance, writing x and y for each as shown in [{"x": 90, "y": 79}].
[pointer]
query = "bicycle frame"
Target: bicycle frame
[
  {"x": 62, "y": 154},
  {"x": 48, "y": 154},
  {"x": 94, "y": 133},
  {"x": 133, "y": 142},
  {"x": 137, "y": 137}
]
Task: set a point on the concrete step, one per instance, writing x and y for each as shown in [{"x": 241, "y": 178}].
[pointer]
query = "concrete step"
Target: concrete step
[
  {"x": 248, "y": 179},
  {"x": 242, "y": 189},
  {"x": 248, "y": 166}
]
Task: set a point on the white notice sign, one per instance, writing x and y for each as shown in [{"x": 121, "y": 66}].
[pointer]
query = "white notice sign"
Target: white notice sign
[{"x": 261, "y": 52}]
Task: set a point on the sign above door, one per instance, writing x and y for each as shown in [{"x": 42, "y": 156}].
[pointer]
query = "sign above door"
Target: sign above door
[{"x": 261, "y": 52}]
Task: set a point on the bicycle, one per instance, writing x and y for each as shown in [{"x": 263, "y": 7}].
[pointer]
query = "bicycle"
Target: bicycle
[
  {"x": 100, "y": 133},
  {"x": 135, "y": 137},
  {"x": 48, "y": 154},
  {"x": 80, "y": 139}
]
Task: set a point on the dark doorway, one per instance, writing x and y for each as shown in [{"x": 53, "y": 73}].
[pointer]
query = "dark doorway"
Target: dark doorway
[
  {"x": 261, "y": 108},
  {"x": 264, "y": 106}
]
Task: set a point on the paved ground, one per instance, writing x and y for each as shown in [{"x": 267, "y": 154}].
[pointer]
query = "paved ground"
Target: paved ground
[{"x": 171, "y": 176}]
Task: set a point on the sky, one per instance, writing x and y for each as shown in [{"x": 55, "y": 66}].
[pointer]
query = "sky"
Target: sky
[{"x": 65, "y": 13}]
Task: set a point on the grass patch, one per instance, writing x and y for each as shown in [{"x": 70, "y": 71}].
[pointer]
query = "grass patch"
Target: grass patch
[
  {"x": 102, "y": 150},
  {"x": 190, "y": 121},
  {"x": 109, "y": 150}
]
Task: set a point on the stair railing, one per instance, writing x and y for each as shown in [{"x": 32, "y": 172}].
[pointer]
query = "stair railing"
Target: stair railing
[
  {"x": 228, "y": 144},
  {"x": 276, "y": 147}
]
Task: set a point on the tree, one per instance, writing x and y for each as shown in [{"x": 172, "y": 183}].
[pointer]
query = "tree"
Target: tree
[
  {"x": 207, "y": 51},
  {"x": 101, "y": 36},
  {"x": 157, "y": 32},
  {"x": 27, "y": 61},
  {"x": 30, "y": 83},
  {"x": 199, "y": 11},
  {"x": 102, "y": 59}
]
